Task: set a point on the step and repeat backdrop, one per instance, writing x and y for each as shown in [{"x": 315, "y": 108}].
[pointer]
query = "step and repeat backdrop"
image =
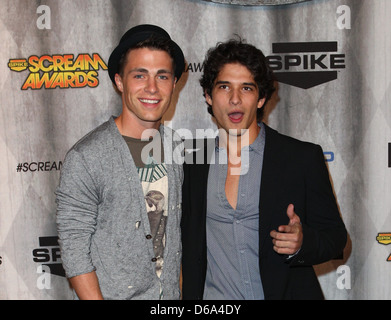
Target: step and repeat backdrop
[{"x": 332, "y": 59}]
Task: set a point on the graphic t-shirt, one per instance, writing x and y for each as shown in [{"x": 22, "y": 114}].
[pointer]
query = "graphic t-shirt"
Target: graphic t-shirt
[{"x": 154, "y": 181}]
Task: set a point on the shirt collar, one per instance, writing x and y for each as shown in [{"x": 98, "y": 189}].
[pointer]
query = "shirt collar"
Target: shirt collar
[{"x": 256, "y": 146}]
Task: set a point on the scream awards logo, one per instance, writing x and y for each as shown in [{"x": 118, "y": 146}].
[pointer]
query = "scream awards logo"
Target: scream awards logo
[
  {"x": 306, "y": 64},
  {"x": 385, "y": 239},
  {"x": 59, "y": 71}
]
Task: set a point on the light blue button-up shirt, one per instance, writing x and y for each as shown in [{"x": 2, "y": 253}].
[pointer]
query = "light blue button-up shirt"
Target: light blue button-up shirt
[{"x": 233, "y": 235}]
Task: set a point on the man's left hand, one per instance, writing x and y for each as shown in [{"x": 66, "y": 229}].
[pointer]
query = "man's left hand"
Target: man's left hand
[{"x": 289, "y": 238}]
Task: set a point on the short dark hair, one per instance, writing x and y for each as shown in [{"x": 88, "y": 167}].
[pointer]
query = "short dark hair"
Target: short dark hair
[
  {"x": 153, "y": 42},
  {"x": 237, "y": 51}
]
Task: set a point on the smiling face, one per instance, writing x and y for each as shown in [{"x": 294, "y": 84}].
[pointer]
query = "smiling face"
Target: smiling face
[
  {"x": 235, "y": 100},
  {"x": 146, "y": 84}
]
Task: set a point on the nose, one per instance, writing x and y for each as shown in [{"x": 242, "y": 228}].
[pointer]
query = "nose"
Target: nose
[
  {"x": 235, "y": 98},
  {"x": 151, "y": 86}
]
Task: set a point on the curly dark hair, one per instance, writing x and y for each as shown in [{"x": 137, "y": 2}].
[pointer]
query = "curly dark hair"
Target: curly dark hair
[{"x": 237, "y": 51}]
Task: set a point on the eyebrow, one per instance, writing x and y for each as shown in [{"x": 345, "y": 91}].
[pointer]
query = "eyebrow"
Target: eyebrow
[
  {"x": 252, "y": 84},
  {"x": 143, "y": 70}
]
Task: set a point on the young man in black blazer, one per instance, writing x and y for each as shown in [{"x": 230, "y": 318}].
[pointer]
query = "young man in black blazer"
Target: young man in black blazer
[{"x": 261, "y": 212}]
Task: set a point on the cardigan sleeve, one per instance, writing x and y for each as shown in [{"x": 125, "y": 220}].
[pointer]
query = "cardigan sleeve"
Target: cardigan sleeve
[{"x": 77, "y": 206}]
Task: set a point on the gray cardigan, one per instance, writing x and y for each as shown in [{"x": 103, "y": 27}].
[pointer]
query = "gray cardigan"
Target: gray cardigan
[{"x": 102, "y": 221}]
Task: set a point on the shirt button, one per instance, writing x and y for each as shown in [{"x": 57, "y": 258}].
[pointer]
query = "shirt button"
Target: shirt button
[{"x": 148, "y": 236}]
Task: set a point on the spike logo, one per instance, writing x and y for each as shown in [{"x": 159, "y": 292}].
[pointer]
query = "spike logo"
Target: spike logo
[
  {"x": 306, "y": 64},
  {"x": 48, "y": 254},
  {"x": 18, "y": 64}
]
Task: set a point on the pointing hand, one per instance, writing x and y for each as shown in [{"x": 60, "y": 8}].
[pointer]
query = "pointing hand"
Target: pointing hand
[{"x": 289, "y": 238}]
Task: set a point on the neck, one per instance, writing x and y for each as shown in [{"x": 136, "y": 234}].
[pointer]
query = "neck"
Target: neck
[
  {"x": 135, "y": 129},
  {"x": 235, "y": 142}
]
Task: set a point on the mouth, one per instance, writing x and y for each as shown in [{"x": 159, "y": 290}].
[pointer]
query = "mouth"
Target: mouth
[
  {"x": 236, "y": 116},
  {"x": 149, "y": 102}
]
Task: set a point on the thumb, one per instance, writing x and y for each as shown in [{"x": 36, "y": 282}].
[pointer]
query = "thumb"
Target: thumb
[{"x": 293, "y": 217}]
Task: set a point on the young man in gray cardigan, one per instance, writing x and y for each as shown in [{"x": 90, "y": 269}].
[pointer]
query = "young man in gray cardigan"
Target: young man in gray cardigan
[{"x": 119, "y": 205}]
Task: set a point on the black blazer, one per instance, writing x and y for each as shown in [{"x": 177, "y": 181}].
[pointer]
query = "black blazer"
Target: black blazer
[{"x": 293, "y": 172}]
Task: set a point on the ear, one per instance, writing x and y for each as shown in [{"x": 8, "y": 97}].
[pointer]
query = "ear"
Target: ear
[
  {"x": 118, "y": 82},
  {"x": 208, "y": 98},
  {"x": 261, "y": 103}
]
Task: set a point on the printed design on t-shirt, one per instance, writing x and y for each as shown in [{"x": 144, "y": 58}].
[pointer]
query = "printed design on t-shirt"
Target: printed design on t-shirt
[
  {"x": 157, "y": 221},
  {"x": 154, "y": 181},
  {"x": 152, "y": 172}
]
